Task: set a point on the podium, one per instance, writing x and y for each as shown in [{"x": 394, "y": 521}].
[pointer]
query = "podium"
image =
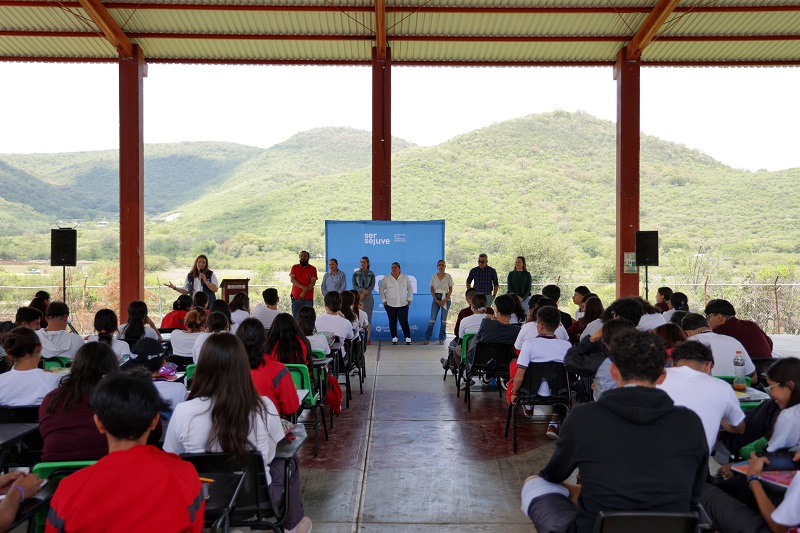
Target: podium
[{"x": 232, "y": 287}]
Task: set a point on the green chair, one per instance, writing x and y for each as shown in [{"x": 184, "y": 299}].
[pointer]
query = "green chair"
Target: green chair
[
  {"x": 55, "y": 471},
  {"x": 313, "y": 401},
  {"x": 320, "y": 376},
  {"x": 756, "y": 446},
  {"x": 189, "y": 375},
  {"x": 466, "y": 342},
  {"x": 58, "y": 361}
]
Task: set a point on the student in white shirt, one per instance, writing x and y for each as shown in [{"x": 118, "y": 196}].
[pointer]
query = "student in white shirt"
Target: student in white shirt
[
  {"x": 783, "y": 384},
  {"x": 333, "y": 322},
  {"x": 306, "y": 320},
  {"x": 723, "y": 347},
  {"x": 472, "y": 323},
  {"x": 105, "y": 324},
  {"x": 56, "y": 340},
  {"x": 690, "y": 385},
  {"x": 240, "y": 310},
  {"x": 183, "y": 341},
  {"x": 25, "y": 383},
  {"x": 267, "y": 311},
  {"x": 529, "y": 329},
  {"x": 215, "y": 323},
  {"x": 139, "y": 324}
]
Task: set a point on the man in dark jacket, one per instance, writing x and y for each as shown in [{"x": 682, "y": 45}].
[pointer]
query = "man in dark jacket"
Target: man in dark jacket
[{"x": 634, "y": 448}]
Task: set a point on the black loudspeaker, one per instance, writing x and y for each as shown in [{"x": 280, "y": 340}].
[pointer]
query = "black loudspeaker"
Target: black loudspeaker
[
  {"x": 646, "y": 248},
  {"x": 63, "y": 247}
]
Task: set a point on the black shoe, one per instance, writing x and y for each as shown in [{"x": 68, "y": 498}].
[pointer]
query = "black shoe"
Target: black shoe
[{"x": 443, "y": 360}]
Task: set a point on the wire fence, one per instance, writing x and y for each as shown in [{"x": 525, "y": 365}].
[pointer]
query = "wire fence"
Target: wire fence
[{"x": 774, "y": 306}]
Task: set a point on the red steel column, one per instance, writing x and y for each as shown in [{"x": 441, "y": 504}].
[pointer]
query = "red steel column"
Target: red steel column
[
  {"x": 381, "y": 136},
  {"x": 132, "y": 71},
  {"x": 627, "y": 75}
]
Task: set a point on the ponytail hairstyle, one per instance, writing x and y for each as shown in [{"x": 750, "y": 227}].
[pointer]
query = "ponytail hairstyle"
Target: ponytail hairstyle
[
  {"x": 221, "y": 306},
  {"x": 253, "y": 336},
  {"x": 217, "y": 322},
  {"x": 347, "y": 306},
  {"x": 479, "y": 302},
  {"x": 105, "y": 323},
  {"x": 134, "y": 328},
  {"x": 194, "y": 321}
]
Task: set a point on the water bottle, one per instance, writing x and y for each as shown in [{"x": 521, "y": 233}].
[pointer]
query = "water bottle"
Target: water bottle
[{"x": 738, "y": 372}]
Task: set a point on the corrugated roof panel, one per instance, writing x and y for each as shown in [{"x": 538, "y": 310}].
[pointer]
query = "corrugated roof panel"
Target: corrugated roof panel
[
  {"x": 734, "y": 24},
  {"x": 512, "y": 24},
  {"x": 737, "y": 3},
  {"x": 282, "y": 22},
  {"x": 42, "y": 19},
  {"x": 518, "y": 3},
  {"x": 501, "y": 52},
  {"x": 333, "y": 3},
  {"x": 253, "y": 50},
  {"x": 723, "y": 51},
  {"x": 56, "y": 47}
]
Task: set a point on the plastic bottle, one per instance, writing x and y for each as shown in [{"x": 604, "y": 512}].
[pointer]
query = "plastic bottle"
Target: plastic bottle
[{"x": 739, "y": 383}]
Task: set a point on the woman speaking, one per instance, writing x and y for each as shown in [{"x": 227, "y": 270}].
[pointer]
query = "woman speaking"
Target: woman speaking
[{"x": 200, "y": 278}]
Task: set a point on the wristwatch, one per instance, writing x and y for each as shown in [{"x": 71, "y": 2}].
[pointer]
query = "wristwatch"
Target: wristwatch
[{"x": 753, "y": 478}]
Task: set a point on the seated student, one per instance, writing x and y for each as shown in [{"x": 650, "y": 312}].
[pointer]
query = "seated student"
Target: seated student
[
  {"x": 98, "y": 497},
  {"x": 689, "y": 384},
  {"x": 783, "y": 384},
  {"x": 331, "y": 321},
  {"x": 149, "y": 355},
  {"x": 270, "y": 377},
  {"x": 543, "y": 348},
  {"x": 592, "y": 311},
  {"x": 226, "y": 413},
  {"x": 15, "y": 486},
  {"x": 105, "y": 324},
  {"x": 363, "y": 319},
  {"x": 677, "y": 302},
  {"x": 554, "y": 293},
  {"x": 26, "y": 316},
  {"x": 472, "y": 323},
  {"x": 723, "y": 347},
  {"x": 66, "y": 421},
  {"x": 677, "y": 317},
  {"x": 55, "y": 339},
  {"x": 651, "y": 317},
  {"x": 240, "y": 310},
  {"x": 215, "y": 323},
  {"x": 597, "y": 323},
  {"x": 467, "y": 311},
  {"x": 183, "y": 341},
  {"x": 139, "y": 324},
  {"x": 347, "y": 310},
  {"x": 221, "y": 306},
  {"x": 729, "y": 514},
  {"x": 591, "y": 356},
  {"x": 174, "y": 319},
  {"x": 40, "y": 301},
  {"x": 671, "y": 335},
  {"x": 578, "y": 297},
  {"x": 200, "y": 302},
  {"x": 307, "y": 322},
  {"x": 628, "y": 308},
  {"x": 25, "y": 383},
  {"x": 613, "y": 442},
  {"x": 663, "y": 295},
  {"x": 267, "y": 311},
  {"x": 529, "y": 330},
  {"x": 519, "y": 315},
  {"x": 287, "y": 344},
  {"x": 722, "y": 319},
  {"x": 497, "y": 328}
]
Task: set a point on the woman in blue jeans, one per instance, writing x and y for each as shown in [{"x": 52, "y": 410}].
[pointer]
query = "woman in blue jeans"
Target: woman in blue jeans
[{"x": 441, "y": 288}]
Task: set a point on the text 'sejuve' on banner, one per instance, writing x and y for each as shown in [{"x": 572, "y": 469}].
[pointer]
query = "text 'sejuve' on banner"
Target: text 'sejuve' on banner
[{"x": 417, "y": 246}]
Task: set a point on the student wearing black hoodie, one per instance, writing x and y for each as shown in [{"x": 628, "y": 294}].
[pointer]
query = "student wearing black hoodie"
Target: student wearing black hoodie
[{"x": 634, "y": 448}]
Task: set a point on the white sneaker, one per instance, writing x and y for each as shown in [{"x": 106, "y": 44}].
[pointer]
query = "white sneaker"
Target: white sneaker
[
  {"x": 408, "y": 341},
  {"x": 394, "y": 340}
]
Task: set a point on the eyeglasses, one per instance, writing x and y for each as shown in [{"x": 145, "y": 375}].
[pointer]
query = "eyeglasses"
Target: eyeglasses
[
  {"x": 482, "y": 262},
  {"x": 769, "y": 388}
]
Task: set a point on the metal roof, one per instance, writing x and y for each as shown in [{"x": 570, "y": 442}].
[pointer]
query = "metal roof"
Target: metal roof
[{"x": 418, "y": 32}]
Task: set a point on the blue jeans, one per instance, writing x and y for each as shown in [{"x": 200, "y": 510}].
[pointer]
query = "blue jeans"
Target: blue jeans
[
  {"x": 443, "y": 321},
  {"x": 297, "y": 303}
]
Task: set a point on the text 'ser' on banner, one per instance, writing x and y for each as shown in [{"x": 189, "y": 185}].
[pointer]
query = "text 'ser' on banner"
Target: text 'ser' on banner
[{"x": 417, "y": 246}]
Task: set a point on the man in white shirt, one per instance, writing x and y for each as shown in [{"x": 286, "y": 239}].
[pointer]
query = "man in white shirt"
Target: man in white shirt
[
  {"x": 396, "y": 292},
  {"x": 690, "y": 385},
  {"x": 267, "y": 311},
  {"x": 56, "y": 341},
  {"x": 723, "y": 347}
]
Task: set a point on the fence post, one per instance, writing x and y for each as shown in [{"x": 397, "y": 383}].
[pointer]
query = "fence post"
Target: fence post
[{"x": 777, "y": 307}]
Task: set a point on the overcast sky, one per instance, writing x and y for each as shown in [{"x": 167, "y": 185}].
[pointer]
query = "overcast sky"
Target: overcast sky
[{"x": 744, "y": 117}]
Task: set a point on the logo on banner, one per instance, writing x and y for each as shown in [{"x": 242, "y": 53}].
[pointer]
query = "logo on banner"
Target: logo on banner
[
  {"x": 374, "y": 239},
  {"x": 399, "y": 237}
]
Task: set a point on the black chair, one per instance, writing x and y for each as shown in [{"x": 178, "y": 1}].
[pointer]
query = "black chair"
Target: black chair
[
  {"x": 253, "y": 507},
  {"x": 341, "y": 357},
  {"x": 22, "y": 414},
  {"x": 27, "y": 451},
  {"x": 651, "y": 522},
  {"x": 492, "y": 360},
  {"x": 357, "y": 360},
  {"x": 528, "y": 393}
]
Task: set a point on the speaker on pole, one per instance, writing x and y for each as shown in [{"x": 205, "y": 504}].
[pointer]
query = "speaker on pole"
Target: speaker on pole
[
  {"x": 646, "y": 248},
  {"x": 63, "y": 247}
]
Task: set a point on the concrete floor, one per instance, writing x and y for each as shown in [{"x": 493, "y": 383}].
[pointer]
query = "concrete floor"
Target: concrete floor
[{"x": 408, "y": 457}]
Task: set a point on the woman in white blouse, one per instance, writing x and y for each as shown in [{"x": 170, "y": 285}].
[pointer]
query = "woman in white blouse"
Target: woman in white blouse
[
  {"x": 441, "y": 289},
  {"x": 396, "y": 292}
]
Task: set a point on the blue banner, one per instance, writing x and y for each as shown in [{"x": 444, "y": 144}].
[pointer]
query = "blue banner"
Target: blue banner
[{"x": 417, "y": 246}]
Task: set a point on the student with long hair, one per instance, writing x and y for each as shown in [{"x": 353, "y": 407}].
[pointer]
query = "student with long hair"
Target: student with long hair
[
  {"x": 199, "y": 279},
  {"x": 306, "y": 321},
  {"x": 215, "y": 323},
  {"x": 358, "y": 308},
  {"x": 286, "y": 343},
  {"x": 240, "y": 310},
  {"x": 174, "y": 319},
  {"x": 270, "y": 377},
  {"x": 66, "y": 421},
  {"x": 105, "y": 324},
  {"x": 592, "y": 310},
  {"x": 40, "y": 301},
  {"x": 225, "y": 413},
  {"x": 25, "y": 383},
  {"x": 347, "y": 309},
  {"x": 139, "y": 324}
]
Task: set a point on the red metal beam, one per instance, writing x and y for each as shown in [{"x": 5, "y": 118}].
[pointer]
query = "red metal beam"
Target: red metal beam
[
  {"x": 380, "y": 28},
  {"x": 132, "y": 71},
  {"x": 381, "y": 136},
  {"x": 652, "y": 24},
  {"x": 108, "y": 26},
  {"x": 628, "y": 100}
]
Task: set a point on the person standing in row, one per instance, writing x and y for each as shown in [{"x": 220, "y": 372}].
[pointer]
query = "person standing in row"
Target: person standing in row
[
  {"x": 199, "y": 279},
  {"x": 520, "y": 282},
  {"x": 303, "y": 277},
  {"x": 396, "y": 293},
  {"x": 333, "y": 280},
  {"x": 441, "y": 289},
  {"x": 485, "y": 278},
  {"x": 364, "y": 283}
]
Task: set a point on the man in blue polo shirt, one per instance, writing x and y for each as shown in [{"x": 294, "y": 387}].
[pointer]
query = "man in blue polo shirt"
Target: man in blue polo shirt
[{"x": 485, "y": 278}]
